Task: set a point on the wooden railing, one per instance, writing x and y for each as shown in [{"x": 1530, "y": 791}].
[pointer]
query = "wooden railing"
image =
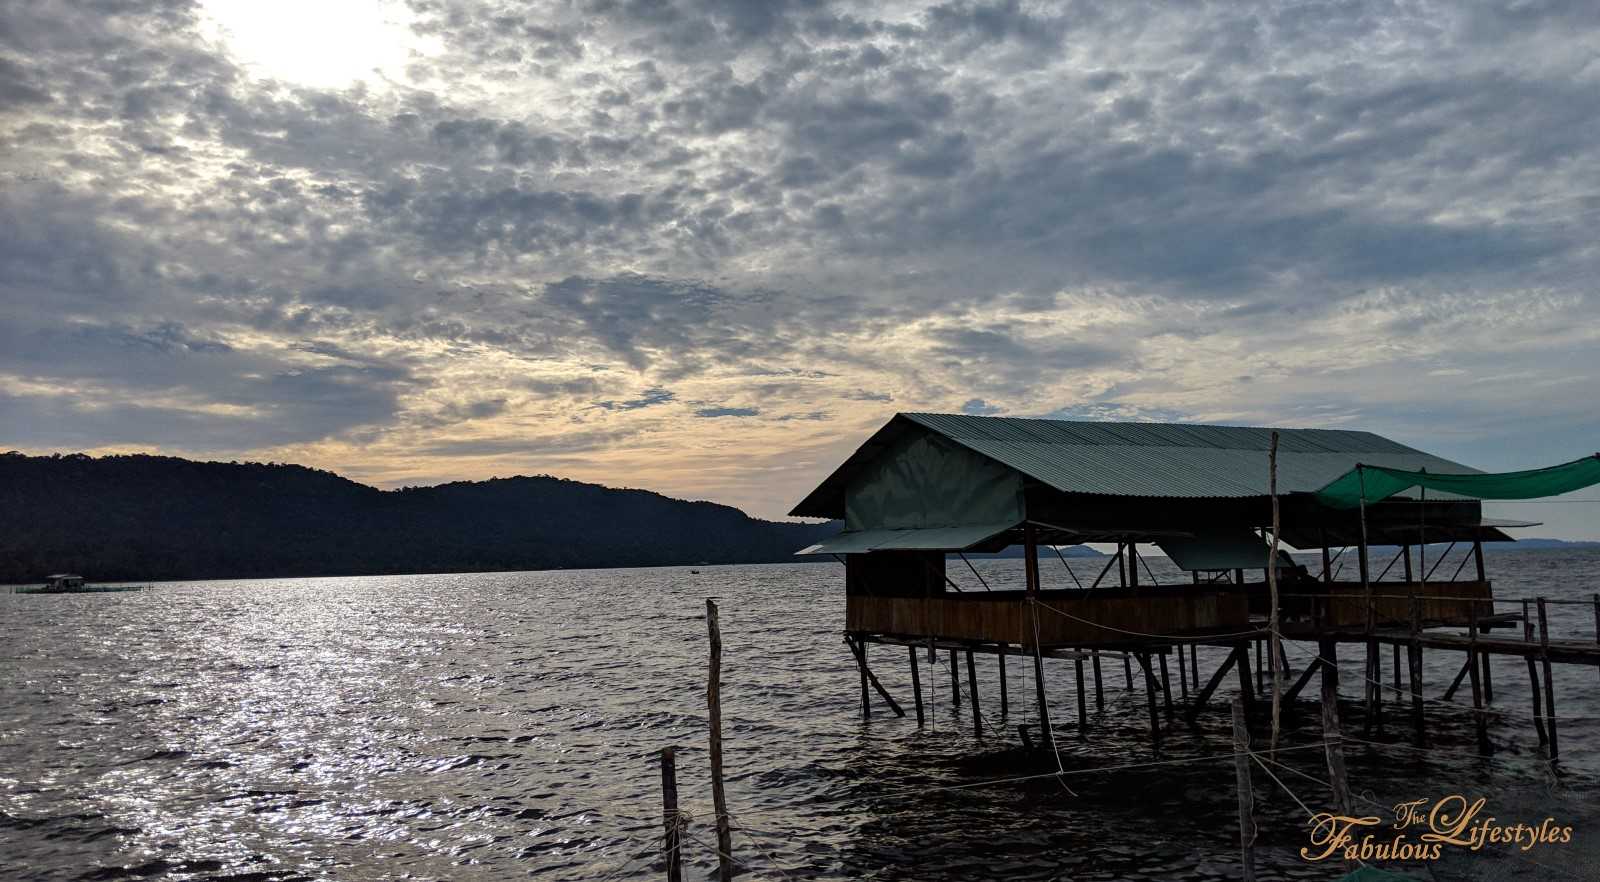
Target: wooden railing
[{"x": 1064, "y": 618}]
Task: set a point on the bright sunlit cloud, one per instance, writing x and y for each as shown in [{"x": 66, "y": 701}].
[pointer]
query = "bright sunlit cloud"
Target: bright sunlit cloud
[{"x": 316, "y": 43}]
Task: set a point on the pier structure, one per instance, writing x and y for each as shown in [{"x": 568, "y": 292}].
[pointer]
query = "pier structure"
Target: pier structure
[{"x": 927, "y": 489}]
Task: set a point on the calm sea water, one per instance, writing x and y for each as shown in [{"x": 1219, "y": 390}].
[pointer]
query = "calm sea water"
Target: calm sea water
[{"x": 498, "y": 726}]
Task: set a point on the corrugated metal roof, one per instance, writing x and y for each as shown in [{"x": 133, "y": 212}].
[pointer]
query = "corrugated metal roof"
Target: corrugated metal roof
[
  {"x": 926, "y": 539},
  {"x": 1143, "y": 459}
]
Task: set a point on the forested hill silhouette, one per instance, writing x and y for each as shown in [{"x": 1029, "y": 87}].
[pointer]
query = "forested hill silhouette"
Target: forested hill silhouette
[{"x": 144, "y": 517}]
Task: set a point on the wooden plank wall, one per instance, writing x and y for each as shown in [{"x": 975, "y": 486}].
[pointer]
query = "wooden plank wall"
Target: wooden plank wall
[{"x": 1064, "y": 617}]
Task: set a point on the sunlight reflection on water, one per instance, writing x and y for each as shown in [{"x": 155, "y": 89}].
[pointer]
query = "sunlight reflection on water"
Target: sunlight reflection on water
[{"x": 480, "y": 726}]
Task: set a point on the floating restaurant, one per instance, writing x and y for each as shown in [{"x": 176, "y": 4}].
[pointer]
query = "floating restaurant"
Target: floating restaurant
[{"x": 926, "y": 489}]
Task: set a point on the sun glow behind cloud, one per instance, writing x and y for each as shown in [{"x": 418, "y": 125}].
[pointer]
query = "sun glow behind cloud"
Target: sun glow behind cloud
[{"x": 315, "y": 43}]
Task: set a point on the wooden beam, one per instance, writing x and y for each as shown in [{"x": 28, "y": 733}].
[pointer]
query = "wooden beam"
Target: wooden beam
[
  {"x": 1211, "y": 686},
  {"x": 916, "y": 683}
]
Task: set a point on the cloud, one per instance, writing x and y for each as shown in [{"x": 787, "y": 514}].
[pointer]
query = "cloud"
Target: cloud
[{"x": 573, "y": 227}]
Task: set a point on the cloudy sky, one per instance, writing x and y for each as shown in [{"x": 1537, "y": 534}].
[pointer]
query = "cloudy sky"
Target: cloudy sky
[{"x": 704, "y": 247}]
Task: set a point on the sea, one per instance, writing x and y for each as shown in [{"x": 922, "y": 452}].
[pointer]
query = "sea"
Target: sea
[{"x": 510, "y": 725}]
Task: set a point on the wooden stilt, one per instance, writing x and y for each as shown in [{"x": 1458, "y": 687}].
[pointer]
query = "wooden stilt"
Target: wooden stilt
[
  {"x": 1099, "y": 685},
  {"x": 1005, "y": 687},
  {"x": 1488, "y": 680},
  {"x": 1305, "y": 677},
  {"x": 859, "y": 646},
  {"x": 1332, "y": 735},
  {"x": 1549, "y": 683},
  {"x": 1166, "y": 688},
  {"x": 1246, "y": 693},
  {"x": 1127, "y": 670},
  {"x": 955, "y": 680},
  {"x": 1150, "y": 701},
  {"x": 1397, "y": 688},
  {"x": 1031, "y": 569},
  {"x": 1183, "y": 676},
  {"x": 1241, "y": 771},
  {"x": 719, "y": 795},
  {"x": 1194, "y": 664},
  {"x": 671, "y": 820},
  {"x": 916, "y": 683},
  {"x": 1211, "y": 685},
  {"x": 1533, "y": 677},
  {"x": 972, "y": 686},
  {"x": 1460, "y": 676},
  {"x": 1479, "y": 724},
  {"x": 1414, "y": 659},
  {"x": 859, "y": 650},
  {"x": 1083, "y": 700}
]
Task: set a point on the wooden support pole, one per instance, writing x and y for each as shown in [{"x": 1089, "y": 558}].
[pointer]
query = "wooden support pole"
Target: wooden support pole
[
  {"x": 1183, "y": 676},
  {"x": 1414, "y": 659},
  {"x": 1083, "y": 700},
  {"x": 955, "y": 681},
  {"x": 719, "y": 795},
  {"x": 1241, "y": 772},
  {"x": 671, "y": 820},
  {"x": 1397, "y": 668},
  {"x": 1460, "y": 676},
  {"x": 972, "y": 686},
  {"x": 1488, "y": 679},
  {"x": 1005, "y": 694},
  {"x": 1099, "y": 685},
  {"x": 1246, "y": 693},
  {"x": 1596, "y": 622},
  {"x": 1479, "y": 722},
  {"x": 1030, "y": 545},
  {"x": 1166, "y": 686},
  {"x": 916, "y": 683},
  {"x": 1533, "y": 677},
  {"x": 1133, "y": 564},
  {"x": 1127, "y": 670},
  {"x": 1211, "y": 685},
  {"x": 859, "y": 650},
  {"x": 1549, "y": 683},
  {"x": 1332, "y": 735},
  {"x": 1274, "y": 636},
  {"x": 1194, "y": 664},
  {"x": 859, "y": 646},
  {"x": 1150, "y": 701},
  {"x": 1305, "y": 677}
]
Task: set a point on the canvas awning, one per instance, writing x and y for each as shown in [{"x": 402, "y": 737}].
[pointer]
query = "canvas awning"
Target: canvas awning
[
  {"x": 958, "y": 538},
  {"x": 1228, "y": 550},
  {"x": 1374, "y": 483}
]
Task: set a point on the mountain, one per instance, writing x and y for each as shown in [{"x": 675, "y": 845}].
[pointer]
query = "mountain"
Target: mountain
[
  {"x": 140, "y": 517},
  {"x": 1535, "y": 543}
]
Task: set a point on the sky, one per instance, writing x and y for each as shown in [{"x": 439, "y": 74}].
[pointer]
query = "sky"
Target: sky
[{"x": 706, "y": 247}]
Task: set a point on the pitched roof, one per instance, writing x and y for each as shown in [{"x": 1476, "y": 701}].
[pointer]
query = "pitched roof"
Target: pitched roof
[{"x": 1140, "y": 459}]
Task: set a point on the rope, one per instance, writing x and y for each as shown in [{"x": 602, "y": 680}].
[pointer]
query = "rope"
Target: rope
[{"x": 1255, "y": 632}]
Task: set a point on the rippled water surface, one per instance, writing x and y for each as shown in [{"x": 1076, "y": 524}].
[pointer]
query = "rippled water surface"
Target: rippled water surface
[{"x": 497, "y": 726}]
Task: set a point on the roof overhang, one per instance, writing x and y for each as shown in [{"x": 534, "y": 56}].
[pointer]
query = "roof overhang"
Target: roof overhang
[{"x": 960, "y": 538}]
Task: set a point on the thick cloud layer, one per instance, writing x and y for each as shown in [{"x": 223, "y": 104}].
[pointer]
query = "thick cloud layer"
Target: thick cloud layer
[{"x": 705, "y": 246}]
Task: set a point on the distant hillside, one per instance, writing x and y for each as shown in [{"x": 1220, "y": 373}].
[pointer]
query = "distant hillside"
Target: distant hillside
[{"x": 154, "y": 517}]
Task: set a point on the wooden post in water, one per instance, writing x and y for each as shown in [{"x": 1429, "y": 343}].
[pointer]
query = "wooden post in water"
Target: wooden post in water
[
  {"x": 1083, "y": 699},
  {"x": 1194, "y": 664},
  {"x": 669, "y": 814},
  {"x": 1166, "y": 684},
  {"x": 1597, "y": 622},
  {"x": 1332, "y": 735},
  {"x": 719, "y": 796},
  {"x": 1099, "y": 685},
  {"x": 859, "y": 650},
  {"x": 1030, "y": 545},
  {"x": 1127, "y": 670},
  {"x": 1414, "y": 659},
  {"x": 1549, "y": 682},
  {"x": 1533, "y": 676},
  {"x": 1150, "y": 700},
  {"x": 972, "y": 686},
  {"x": 1479, "y": 718},
  {"x": 955, "y": 681},
  {"x": 1183, "y": 675},
  {"x": 916, "y": 682},
  {"x": 1005, "y": 697},
  {"x": 1276, "y": 649},
  {"x": 1241, "y": 774}
]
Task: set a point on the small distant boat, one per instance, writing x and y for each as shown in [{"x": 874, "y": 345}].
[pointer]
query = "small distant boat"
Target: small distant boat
[
  {"x": 72, "y": 583},
  {"x": 694, "y": 572}
]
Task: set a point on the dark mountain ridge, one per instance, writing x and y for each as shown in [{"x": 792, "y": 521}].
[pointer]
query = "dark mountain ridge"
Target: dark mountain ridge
[{"x": 138, "y": 517}]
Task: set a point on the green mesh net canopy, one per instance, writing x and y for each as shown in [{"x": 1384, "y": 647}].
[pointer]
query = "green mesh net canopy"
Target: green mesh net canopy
[{"x": 1375, "y": 483}]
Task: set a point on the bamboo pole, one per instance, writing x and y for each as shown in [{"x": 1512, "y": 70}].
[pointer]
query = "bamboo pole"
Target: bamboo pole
[
  {"x": 1241, "y": 772},
  {"x": 719, "y": 796},
  {"x": 1478, "y": 718},
  {"x": 1030, "y": 544},
  {"x": 671, "y": 820},
  {"x": 1414, "y": 663},
  {"x": 1332, "y": 736},
  {"x": 1549, "y": 682},
  {"x": 972, "y": 686},
  {"x": 1272, "y": 590},
  {"x": 1533, "y": 677},
  {"x": 916, "y": 683}
]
